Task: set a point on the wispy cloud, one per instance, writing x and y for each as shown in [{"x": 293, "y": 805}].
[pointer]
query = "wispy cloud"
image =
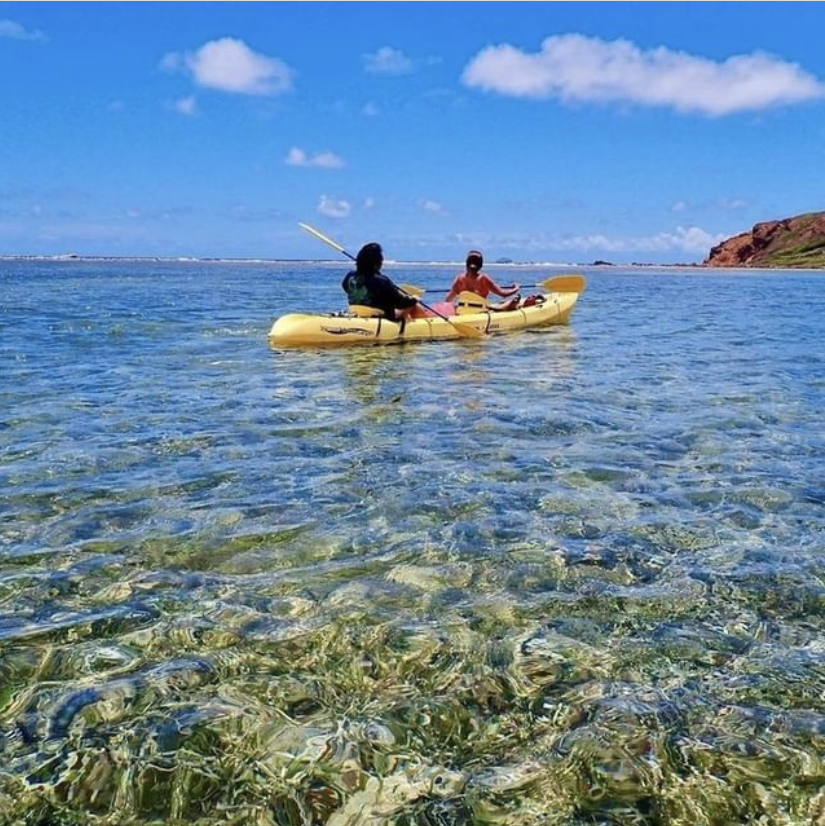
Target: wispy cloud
[
  {"x": 241, "y": 212},
  {"x": 16, "y": 31},
  {"x": 733, "y": 204},
  {"x": 681, "y": 239},
  {"x": 326, "y": 160},
  {"x": 689, "y": 240},
  {"x": 433, "y": 206},
  {"x": 186, "y": 106},
  {"x": 231, "y": 66},
  {"x": 726, "y": 204},
  {"x": 333, "y": 207},
  {"x": 575, "y": 68},
  {"x": 388, "y": 61},
  {"x": 157, "y": 214}
]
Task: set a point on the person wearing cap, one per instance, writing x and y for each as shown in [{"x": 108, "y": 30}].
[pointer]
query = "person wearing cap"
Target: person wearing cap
[
  {"x": 368, "y": 286},
  {"x": 475, "y": 281}
]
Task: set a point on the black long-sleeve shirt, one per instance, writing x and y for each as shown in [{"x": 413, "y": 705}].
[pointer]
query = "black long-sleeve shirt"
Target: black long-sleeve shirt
[{"x": 376, "y": 290}]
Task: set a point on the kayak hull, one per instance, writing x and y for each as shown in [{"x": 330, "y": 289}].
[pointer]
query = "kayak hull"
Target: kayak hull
[{"x": 305, "y": 330}]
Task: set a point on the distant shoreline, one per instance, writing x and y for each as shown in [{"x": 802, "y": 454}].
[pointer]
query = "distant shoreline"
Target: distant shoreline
[
  {"x": 604, "y": 266},
  {"x": 213, "y": 260},
  {"x": 337, "y": 261}
]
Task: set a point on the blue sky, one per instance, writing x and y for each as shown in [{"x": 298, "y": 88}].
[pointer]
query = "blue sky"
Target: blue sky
[{"x": 537, "y": 131}]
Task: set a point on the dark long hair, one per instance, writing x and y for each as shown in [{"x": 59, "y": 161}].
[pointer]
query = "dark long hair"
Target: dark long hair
[{"x": 370, "y": 258}]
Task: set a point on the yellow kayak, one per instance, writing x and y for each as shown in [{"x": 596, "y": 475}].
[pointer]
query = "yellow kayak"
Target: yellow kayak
[{"x": 305, "y": 330}]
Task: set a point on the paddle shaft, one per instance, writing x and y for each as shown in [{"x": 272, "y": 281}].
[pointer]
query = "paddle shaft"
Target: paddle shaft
[{"x": 558, "y": 283}]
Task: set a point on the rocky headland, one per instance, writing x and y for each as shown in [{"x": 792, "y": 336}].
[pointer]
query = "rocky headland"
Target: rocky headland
[{"x": 790, "y": 243}]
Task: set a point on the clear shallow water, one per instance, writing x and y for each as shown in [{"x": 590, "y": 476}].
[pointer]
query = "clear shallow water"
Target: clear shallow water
[{"x": 560, "y": 577}]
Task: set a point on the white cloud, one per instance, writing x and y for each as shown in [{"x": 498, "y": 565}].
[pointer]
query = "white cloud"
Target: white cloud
[
  {"x": 231, "y": 66},
  {"x": 573, "y": 67},
  {"x": 733, "y": 203},
  {"x": 388, "y": 61},
  {"x": 241, "y": 212},
  {"x": 433, "y": 206},
  {"x": 326, "y": 160},
  {"x": 15, "y": 31},
  {"x": 682, "y": 239},
  {"x": 333, "y": 208},
  {"x": 186, "y": 106},
  {"x": 728, "y": 204}
]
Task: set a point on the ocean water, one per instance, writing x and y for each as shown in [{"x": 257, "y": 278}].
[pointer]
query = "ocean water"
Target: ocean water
[{"x": 568, "y": 576}]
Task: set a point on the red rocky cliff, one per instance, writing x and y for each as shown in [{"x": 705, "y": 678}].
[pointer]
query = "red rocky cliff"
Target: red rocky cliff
[{"x": 790, "y": 242}]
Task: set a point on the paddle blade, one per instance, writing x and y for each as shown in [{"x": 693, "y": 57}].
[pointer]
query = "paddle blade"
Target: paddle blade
[
  {"x": 564, "y": 284},
  {"x": 412, "y": 290},
  {"x": 328, "y": 241},
  {"x": 468, "y": 331}
]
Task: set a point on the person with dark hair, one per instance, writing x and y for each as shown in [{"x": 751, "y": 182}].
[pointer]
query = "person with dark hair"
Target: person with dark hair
[
  {"x": 367, "y": 286},
  {"x": 475, "y": 281}
]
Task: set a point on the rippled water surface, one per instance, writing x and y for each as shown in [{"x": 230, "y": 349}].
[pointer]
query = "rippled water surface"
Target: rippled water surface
[{"x": 570, "y": 576}]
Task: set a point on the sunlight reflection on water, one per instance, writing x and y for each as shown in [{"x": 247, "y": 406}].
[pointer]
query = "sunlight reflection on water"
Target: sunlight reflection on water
[{"x": 565, "y": 576}]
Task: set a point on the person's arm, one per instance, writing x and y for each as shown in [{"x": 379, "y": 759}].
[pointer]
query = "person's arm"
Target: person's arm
[
  {"x": 504, "y": 293},
  {"x": 455, "y": 289},
  {"x": 404, "y": 300},
  {"x": 394, "y": 297}
]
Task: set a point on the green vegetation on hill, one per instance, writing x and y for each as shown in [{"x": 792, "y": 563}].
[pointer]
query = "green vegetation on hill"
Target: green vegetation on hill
[{"x": 797, "y": 248}]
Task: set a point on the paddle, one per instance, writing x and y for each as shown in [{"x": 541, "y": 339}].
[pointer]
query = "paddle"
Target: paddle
[
  {"x": 465, "y": 329},
  {"x": 557, "y": 284}
]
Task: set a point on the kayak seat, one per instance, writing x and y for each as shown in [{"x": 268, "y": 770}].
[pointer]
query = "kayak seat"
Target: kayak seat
[
  {"x": 362, "y": 311},
  {"x": 470, "y": 302}
]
